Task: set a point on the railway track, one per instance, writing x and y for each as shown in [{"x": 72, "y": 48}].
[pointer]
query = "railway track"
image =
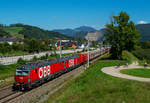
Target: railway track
[
  {"x": 7, "y": 95},
  {"x": 5, "y": 87},
  {"x": 10, "y": 97}
]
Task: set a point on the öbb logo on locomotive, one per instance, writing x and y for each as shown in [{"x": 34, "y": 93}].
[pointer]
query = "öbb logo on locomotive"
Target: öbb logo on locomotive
[{"x": 44, "y": 71}]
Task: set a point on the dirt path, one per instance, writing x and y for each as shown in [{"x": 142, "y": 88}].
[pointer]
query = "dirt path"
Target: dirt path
[{"x": 113, "y": 71}]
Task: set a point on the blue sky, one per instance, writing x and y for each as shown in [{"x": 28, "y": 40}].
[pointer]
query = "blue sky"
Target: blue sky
[{"x": 59, "y": 14}]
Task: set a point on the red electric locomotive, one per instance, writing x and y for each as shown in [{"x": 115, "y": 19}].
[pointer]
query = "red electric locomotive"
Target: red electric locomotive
[{"x": 33, "y": 74}]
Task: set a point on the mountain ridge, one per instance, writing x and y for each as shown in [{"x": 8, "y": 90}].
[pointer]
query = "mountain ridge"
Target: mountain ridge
[
  {"x": 28, "y": 31},
  {"x": 75, "y": 31},
  {"x": 144, "y": 30}
]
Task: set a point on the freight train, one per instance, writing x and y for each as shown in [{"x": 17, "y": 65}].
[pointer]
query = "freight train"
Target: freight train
[{"x": 33, "y": 74}]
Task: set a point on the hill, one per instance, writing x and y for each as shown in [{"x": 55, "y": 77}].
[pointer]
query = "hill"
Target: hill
[
  {"x": 144, "y": 29},
  {"x": 85, "y": 28},
  {"x": 3, "y": 33},
  {"x": 85, "y": 31},
  {"x": 68, "y": 32},
  {"x": 79, "y": 32},
  {"x": 20, "y": 31},
  {"x": 14, "y": 31}
]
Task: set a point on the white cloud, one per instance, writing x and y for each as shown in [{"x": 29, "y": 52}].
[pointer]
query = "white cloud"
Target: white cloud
[
  {"x": 142, "y": 22},
  {"x": 85, "y": 25},
  {"x": 98, "y": 27}
]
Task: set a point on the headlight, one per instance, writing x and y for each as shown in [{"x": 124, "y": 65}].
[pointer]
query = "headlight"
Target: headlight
[{"x": 29, "y": 80}]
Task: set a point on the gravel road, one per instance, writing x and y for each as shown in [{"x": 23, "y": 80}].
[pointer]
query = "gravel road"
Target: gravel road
[{"x": 113, "y": 71}]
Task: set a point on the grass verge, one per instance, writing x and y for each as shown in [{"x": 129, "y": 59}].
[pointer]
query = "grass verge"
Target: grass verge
[
  {"x": 14, "y": 53},
  {"x": 137, "y": 72},
  {"x": 7, "y": 71},
  {"x": 93, "y": 86}
]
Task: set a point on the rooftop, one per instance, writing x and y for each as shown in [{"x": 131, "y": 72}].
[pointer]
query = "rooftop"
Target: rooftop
[{"x": 8, "y": 39}]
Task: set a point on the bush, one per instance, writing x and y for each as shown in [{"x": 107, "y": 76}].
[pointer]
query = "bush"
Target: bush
[
  {"x": 79, "y": 51},
  {"x": 142, "y": 54},
  {"x": 21, "y": 61},
  {"x": 42, "y": 57},
  {"x": 128, "y": 56},
  {"x": 34, "y": 58},
  {"x": 145, "y": 45},
  {"x": 46, "y": 56}
]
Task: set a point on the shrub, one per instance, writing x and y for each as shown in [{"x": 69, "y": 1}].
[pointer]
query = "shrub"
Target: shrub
[
  {"x": 78, "y": 51},
  {"x": 142, "y": 54},
  {"x": 35, "y": 58},
  {"x": 128, "y": 56},
  {"x": 21, "y": 61},
  {"x": 145, "y": 45},
  {"x": 46, "y": 56},
  {"x": 42, "y": 57}
]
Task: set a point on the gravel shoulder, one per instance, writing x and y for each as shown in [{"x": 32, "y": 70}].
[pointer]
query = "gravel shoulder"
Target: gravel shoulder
[{"x": 113, "y": 71}]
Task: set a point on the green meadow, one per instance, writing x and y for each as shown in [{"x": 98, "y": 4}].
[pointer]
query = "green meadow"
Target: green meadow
[{"x": 93, "y": 86}]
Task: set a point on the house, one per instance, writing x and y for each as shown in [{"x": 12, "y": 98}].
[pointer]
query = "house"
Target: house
[
  {"x": 100, "y": 43},
  {"x": 81, "y": 46},
  {"x": 10, "y": 41},
  {"x": 66, "y": 43}
]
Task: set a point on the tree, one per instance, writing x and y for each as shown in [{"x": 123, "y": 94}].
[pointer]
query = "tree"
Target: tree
[
  {"x": 145, "y": 45},
  {"x": 4, "y": 33},
  {"x": 17, "y": 47},
  {"x": 6, "y": 48},
  {"x": 33, "y": 45},
  {"x": 54, "y": 48},
  {"x": 94, "y": 44},
  {"x": 121, "y": 34}
]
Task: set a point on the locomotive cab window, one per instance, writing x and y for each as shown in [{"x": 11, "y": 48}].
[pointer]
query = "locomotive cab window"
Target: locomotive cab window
[
  {"x": 22, "y": 73},
  {"x": 18, "y": 72}
]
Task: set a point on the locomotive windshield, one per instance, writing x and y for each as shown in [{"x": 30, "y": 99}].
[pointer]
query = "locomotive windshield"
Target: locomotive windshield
[{"x": 22, "y": 72}]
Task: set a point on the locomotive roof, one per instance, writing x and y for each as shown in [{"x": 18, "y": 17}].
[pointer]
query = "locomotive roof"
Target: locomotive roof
[
  {"x": 37, "y": 64},
  {"x": 42, "y": 63},
  {"x": 68, "y": 57}
]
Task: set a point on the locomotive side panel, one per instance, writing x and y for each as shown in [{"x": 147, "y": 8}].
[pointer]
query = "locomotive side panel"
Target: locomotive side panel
[{"x": 33, "y": 76}]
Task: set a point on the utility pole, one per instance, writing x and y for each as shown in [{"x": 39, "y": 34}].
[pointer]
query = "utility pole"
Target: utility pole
[
  {"x": 60, "y": 49},
  {"x": 23, "y": 52},
  {"x": 100, "y": 49},
  {"x": 88, "y": 54}
]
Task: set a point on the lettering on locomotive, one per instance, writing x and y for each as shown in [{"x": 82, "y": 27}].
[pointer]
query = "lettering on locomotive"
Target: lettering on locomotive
[
  {"x": 44, "y": 71},
  {"x": 71, "y": 62}
]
